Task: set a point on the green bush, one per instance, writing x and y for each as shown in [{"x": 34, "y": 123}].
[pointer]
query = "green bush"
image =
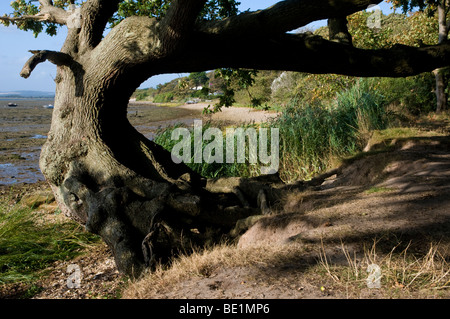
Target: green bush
[
  {"x": 144, "y": 94},
  {"x": 201, "y": 94},
  {"x": 311, "y": 136},
  {"x": 163, "y": 97},
  {"x": 414, "y": 94}
]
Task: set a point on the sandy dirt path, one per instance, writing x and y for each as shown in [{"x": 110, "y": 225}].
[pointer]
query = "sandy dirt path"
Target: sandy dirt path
[{"x": 234, "y": 114}]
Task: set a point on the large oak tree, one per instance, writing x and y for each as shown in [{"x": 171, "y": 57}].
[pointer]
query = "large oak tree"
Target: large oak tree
[{"x": 125, "y": 188}]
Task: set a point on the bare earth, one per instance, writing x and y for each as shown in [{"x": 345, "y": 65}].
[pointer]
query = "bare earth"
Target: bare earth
[{"x": 397, "y": 196}]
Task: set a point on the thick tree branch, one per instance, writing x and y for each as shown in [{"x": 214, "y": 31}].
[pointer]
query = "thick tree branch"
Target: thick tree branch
[
  {"x": 179, "y": 22},
  {"x": 140, "y": 52},
  {"x": 319, "y": 56},
  {"x": 182, "y": 15},
  {"x": 312, "y": 54},
  {"x": 46, "y": 2},
  {"x": 38, "y": 57},
  {"x": 95, "y": 15},
  {"x": 22, "y": 18},
  {"x": 47, "y": 14},
  {"x": 286, "y": 16}
]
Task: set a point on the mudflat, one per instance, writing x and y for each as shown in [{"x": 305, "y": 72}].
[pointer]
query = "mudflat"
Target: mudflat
[{"x": 23, "y": 131}]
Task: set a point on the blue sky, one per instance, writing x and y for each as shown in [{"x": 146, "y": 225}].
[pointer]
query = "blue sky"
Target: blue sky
[{"x": 14, "y": 46}]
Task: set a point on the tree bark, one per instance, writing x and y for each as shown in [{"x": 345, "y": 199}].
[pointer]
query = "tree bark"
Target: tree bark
[
  {"x": 441, "y": 84},
  {"x": 338, "y": 30},
  {"x": 441, "y": 96}
]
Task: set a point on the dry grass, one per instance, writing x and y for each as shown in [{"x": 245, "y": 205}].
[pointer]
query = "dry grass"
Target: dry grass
[
  {"x": 311, "y": 268},
  {"x": 201, "y": 264},
  {"x": 399, "y": 273}
]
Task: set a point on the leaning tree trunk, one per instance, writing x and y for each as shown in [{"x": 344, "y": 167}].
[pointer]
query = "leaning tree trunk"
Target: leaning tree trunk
[{"x": 109, "y": 177}]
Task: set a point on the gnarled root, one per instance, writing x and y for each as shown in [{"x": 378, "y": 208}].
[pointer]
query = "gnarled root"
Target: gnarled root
[{"x": 146, "y": 227}]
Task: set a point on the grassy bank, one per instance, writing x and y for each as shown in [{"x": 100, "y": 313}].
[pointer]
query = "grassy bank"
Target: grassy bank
[
  {"x": 31, "y": 240},
  {"x": 311, "y": 137}
]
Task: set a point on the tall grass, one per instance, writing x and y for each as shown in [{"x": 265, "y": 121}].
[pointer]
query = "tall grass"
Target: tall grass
[
  {"x": 211, "y": 170},
  {"x": 311, "y": 136},
  {"x": 28, "y": 245},
  {"x": 404, "y": 270}
]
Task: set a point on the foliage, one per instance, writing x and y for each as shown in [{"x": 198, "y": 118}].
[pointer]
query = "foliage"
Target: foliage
[
  {"x": 233, "y": 80},
  {"x": 180, "y": 89},
  {"x": 318, "y": 88},
  {"x": 438, "y": 10},
  {"x": 415, "y": 29},
  {"x": 311, "y": 136},
  {"x": 144, "y": 94},
  {"x": 260, "y": 92},
  {"x": 208, "y": 170},
  {"x": 421, "y": 30},
  {"x": 203, "y": 93},
  {"x": 163, "y": 97},
  {"x": 213, "y": 10},
  {"x": 219, "y": 9},
  {"x": 130, "y": 8},
  {"x": 409, "y": 5},
  {"x": 414, "y": 94},
  {"x": 199, "y": 78}
]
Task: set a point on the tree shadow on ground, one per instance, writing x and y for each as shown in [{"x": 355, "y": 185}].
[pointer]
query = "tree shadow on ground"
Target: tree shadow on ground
[{"x": 404, "y": 204}]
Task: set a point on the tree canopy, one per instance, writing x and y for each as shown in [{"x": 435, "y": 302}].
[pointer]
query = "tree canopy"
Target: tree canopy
[
  {"x": 28, "y": 17},
  {"x": 409, "y": 5},
  {"x": 217, "y": 23}
]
